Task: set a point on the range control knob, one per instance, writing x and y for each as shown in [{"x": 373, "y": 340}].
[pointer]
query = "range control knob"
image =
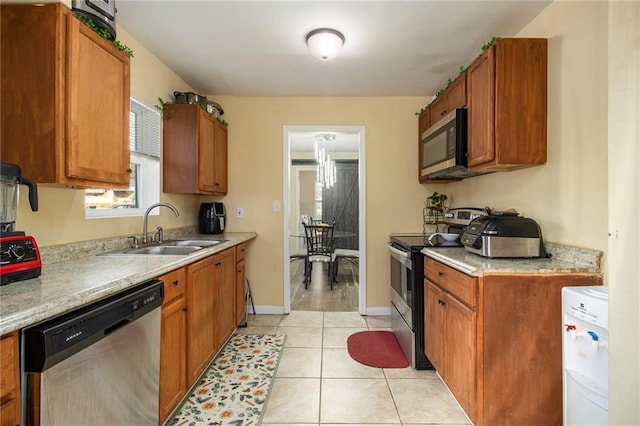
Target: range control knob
[{"x": 17, "y": 251}]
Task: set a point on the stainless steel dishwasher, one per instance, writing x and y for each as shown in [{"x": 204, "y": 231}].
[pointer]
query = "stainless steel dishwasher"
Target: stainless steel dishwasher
[{"x": 97, "y": 365}]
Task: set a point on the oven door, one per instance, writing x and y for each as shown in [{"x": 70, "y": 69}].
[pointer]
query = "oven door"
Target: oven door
[{"x": 401, "y": 283}]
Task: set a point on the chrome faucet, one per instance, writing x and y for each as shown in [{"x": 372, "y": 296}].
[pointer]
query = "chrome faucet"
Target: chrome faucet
[{"x": 145, "y": 237}]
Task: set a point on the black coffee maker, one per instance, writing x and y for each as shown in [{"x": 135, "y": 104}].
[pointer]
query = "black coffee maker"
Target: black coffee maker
[{"x": 211, "y": 218}]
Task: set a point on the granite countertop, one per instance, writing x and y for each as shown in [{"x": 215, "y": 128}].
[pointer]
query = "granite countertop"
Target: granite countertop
[
  {"x": 564, "y": 259},
  {"x": 68, "y": 284}
]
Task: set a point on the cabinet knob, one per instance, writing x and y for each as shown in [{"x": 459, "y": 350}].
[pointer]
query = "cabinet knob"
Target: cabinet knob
[
  {"x": 440, "y": 273},
  {"x": 129, "y": 170},
  {"x": 184, "y": 309},
  {"x": 175, "y": 282}
]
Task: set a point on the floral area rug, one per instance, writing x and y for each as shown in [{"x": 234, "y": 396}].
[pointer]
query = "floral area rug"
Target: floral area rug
[{"x": 235, "y": 388}]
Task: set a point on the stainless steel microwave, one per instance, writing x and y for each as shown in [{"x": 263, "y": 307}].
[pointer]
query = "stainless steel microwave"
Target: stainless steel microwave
[{"x": 444, "y": 147}]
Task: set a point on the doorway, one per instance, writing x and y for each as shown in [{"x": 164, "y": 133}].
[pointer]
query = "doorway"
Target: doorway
[{"x": 343, "y": 198}]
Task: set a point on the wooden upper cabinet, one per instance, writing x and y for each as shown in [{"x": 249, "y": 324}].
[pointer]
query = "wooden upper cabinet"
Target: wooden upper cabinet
[
  {"x": 64, "y": 99},
  {"x": 507, "y": 103},
  {"x": 454, "y": 97},
  {"x": 194, "y": 152}
]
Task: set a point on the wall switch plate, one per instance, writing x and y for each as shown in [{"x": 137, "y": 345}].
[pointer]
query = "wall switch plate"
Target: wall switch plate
[
  {"x": 276, "y": 205},
  {"x": 239, "y": 212}
]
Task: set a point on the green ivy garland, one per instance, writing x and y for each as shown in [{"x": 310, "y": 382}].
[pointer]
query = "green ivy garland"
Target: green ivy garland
[
  {"x": 463, "y": 70},
  {"x": 104, "y": 34}
]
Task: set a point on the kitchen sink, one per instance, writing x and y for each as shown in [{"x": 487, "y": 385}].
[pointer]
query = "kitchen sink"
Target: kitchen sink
[
  {"x": 197, "y": 243},
  {"x": 168, "y": 248},
  {"x": 162, "y": 249}
]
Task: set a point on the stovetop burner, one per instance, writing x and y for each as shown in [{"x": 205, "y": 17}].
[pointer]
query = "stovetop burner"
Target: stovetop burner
[{"x": 419, "y": 241}]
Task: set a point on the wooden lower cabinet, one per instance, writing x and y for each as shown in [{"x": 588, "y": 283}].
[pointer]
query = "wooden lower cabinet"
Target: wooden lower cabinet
[
  {"x": 201, "y": 305},
  {"x": 450, "y": 336},
  {"x": 496, "y": 341},
  {"x": 198, "y": 316},
  {"x": 225, "y": 263},
  {"x": 173, "y": 338},
  {"x": 10, "y": 409},
  {"x": 241, "y": 302}
]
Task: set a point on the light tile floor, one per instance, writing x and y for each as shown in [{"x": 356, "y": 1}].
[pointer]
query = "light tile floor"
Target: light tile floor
[{"x": 318, "y": 383}]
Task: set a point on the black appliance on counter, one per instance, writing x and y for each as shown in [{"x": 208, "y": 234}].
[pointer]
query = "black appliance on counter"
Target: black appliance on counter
[
  {"x": 407, "y": 276},
  {"x": 504, "y": 234},
  {"x": 211, "y": 218}
]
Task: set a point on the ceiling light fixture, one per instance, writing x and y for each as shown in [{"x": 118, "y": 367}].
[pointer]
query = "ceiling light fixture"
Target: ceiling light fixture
[{"x": 325, "y": 43}]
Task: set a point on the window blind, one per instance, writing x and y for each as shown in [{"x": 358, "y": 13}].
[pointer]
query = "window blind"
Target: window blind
[{"x": 144, "y": 133}]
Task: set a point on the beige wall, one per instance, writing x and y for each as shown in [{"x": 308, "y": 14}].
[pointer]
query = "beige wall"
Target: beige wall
[
  {"x": 567, "y": 196},
  {"x": 394, "y": 196},
  {"x": 624, "y": 210}
]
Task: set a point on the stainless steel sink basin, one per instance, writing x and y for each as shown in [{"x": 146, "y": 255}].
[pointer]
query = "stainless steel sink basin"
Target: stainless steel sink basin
[
  {"x": 171, "y": 247},
  {"x": 163, "y": 249},
  {"x": 197, "y": 243}
]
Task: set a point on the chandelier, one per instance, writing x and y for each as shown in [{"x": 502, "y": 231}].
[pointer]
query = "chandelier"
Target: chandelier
[{"x": 326, "y": 169}]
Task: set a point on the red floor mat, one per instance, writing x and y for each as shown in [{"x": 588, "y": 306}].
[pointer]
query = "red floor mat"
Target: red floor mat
[{"x": 376, "y": 349}]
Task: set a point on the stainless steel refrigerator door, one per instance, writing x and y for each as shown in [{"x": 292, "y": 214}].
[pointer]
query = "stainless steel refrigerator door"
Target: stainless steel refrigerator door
[{"x": 112, "y": 382}]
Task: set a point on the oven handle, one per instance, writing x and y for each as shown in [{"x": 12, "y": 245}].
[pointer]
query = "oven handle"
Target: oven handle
[{"x": 401, "y": 256}]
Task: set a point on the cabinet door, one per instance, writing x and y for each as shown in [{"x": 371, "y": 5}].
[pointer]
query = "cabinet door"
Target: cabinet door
[
  {"x": 437, "y": 109},
  {"x": 481, "y": 114},
  {"x": 220, "y": 158},
  {"x": 173, "y": 359},
  {"x": 241, "y": 303},
  {"x": 201, "y": 308},
  {"x": 461, "y": 353},
  {"x": 9, "y": 380},
  {"x": 206, "y": 154},
  {"x": 434, "y": 339},
  {"x": 226, "y": 293},
  {"x": 97, "y": 144},
  {"x": 456, "y": 95},
  {"x": 64, "y": 99}
]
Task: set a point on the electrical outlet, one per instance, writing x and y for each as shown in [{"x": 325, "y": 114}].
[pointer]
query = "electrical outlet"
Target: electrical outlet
[
  {"x": 239, "y": 212},
  {"x": 276, "y": 205}
]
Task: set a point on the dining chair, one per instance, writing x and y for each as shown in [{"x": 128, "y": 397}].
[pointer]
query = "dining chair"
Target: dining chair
[
  {"x": 319, "y": 239},
  {"x": 350, "y": 255}
]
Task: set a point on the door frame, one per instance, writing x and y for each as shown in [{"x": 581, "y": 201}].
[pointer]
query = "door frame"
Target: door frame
[{"x": 362, "y": 240}]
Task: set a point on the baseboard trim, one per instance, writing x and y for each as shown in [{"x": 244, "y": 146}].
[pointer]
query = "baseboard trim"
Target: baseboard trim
[
  {"x": 279, "y": 310},
  {"x": 383, "y": 310}
]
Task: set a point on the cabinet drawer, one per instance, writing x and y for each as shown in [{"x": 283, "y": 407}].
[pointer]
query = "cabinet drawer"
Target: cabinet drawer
[
  {"x": 174, "y": 284},
  {"x": 455, "y": 282},
  {"x": 240, "y": 251}
]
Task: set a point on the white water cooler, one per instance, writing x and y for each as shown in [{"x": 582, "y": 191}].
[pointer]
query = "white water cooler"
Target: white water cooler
[{"x": 585, "y": 355}]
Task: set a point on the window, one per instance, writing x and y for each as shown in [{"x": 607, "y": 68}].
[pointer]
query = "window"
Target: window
[{"x": 144, "y": 190}]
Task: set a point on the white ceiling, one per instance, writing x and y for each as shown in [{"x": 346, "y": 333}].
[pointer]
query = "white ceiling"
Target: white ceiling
[{"x": 257, "y": 48}]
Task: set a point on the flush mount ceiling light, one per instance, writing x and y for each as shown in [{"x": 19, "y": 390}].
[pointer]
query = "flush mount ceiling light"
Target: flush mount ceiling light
[
  {"x": 325, "y": 137},
  {"x": 325, "y": 43}
]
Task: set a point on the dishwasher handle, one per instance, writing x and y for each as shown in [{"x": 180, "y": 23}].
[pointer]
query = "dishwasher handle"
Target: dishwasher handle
[{"x": 48, "y": 343}]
